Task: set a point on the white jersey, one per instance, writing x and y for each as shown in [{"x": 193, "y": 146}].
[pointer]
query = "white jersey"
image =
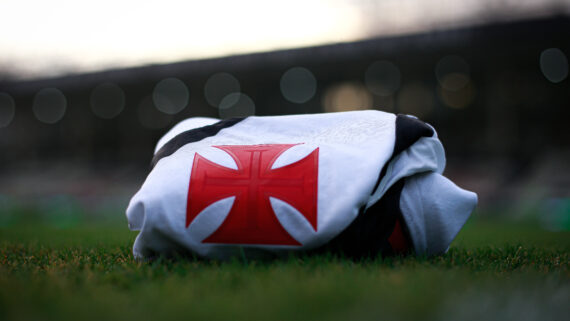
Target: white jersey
[{"x": 296, "y": 183}]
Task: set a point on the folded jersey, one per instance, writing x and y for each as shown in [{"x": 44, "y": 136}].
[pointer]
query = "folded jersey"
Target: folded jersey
[{"x": 362, "y": 183}]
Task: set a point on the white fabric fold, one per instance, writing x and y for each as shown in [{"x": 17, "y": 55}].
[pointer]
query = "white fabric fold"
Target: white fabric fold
[{"x": 435, "y": 209}]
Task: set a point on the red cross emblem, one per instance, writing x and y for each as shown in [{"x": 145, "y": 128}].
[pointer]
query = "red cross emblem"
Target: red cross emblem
[{"x": 251, "y": 219}]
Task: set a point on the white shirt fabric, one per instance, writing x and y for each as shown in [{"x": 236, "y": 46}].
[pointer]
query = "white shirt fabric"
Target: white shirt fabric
[{"x": 353, "y": 147}]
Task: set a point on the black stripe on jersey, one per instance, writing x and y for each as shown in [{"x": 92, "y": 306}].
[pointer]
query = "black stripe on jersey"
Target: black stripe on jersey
[
  {"x": 408, "y": 131},
  {"x": 367, "y": 236},
  {"x": 191, "y": 136}
]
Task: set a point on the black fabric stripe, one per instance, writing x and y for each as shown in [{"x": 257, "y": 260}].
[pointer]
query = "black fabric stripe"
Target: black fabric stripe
[
  {"x": 191, "y": 136},
  {"x": 408, "y": 131},
  {"x": 367, "y": 236}
]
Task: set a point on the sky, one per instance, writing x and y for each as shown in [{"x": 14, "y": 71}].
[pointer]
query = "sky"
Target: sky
[{"x": 49, "y": 38}]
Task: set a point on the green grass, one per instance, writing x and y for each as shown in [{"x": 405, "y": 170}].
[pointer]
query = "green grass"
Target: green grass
[{"x": 494, "y": 270}]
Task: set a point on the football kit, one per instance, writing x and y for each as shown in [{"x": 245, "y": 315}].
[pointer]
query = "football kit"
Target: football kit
[{"x": 360, "y": 183}]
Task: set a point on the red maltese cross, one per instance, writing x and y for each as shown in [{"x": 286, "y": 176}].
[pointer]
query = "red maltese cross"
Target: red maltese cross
[{"x": 251, "y": 219}]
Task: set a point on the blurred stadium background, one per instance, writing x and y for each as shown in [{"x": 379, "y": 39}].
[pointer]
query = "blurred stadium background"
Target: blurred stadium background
[{"x": 86, "y": 90}]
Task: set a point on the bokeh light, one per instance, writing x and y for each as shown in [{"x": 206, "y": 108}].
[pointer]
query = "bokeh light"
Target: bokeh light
[
  {"x": 298, "y": 85},
  {"x": 107, "y": 100},
  {"x": 347, "y": 96},
  {"x": 7, "y": 109},
  {"x": 415, "y": 99},
  {"x": 49, "y": 105},
  {"x": 170, "y": 96},
  {"x": 219, "y": 86},
  {"x": 452, "y": 72},
  {"x": 150, "y": 117},
  {"x": 236, "y": 105},
  {"x": 382, "y": 78},
  {"x": 455, "y": 87},
  {"x": 554, "y": 65},
  {"x": 457, "y": 98}
]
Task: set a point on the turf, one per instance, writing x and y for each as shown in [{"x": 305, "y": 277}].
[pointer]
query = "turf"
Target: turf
[{"x": 494, "y": 270}]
